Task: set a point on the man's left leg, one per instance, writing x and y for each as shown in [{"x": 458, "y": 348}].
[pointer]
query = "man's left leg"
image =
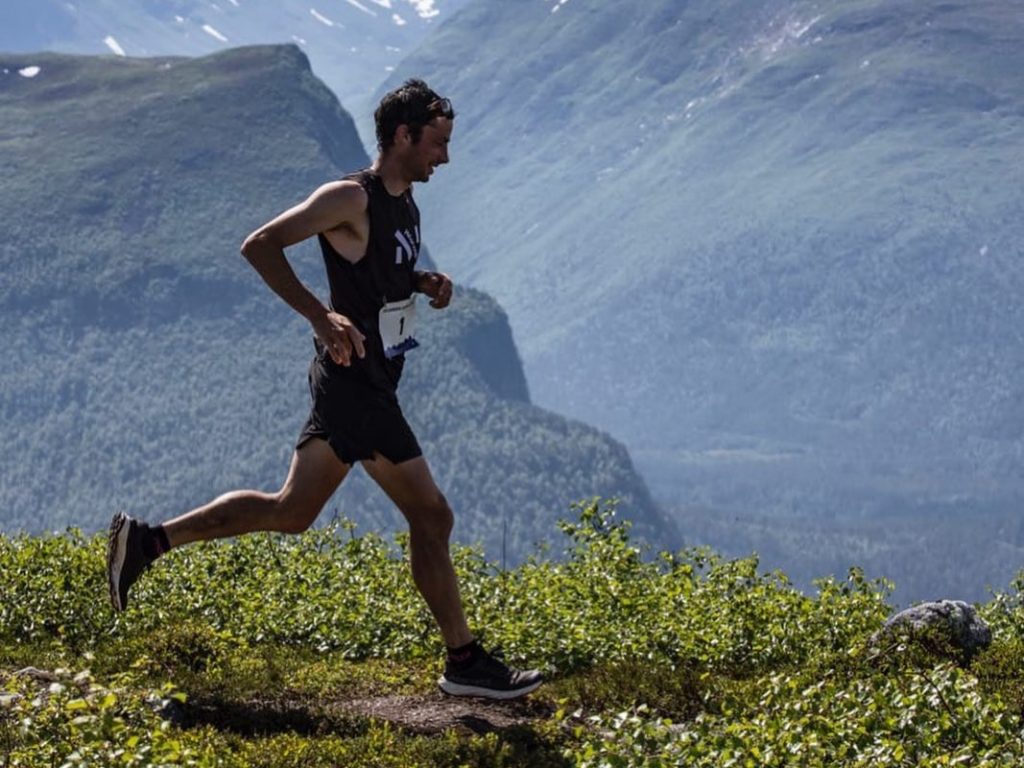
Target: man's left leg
[
  {"x": 411, "y": 487},
  {"x": 470, "y": 670}
]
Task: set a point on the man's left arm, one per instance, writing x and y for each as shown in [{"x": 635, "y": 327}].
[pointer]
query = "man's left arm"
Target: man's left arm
[{"x": 436, "y": 285}]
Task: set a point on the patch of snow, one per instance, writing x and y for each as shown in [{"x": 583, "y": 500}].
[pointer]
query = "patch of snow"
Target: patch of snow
[
  {"x": 361, "y": 7},
  {"x": 320, "y": 17},
  {"x": 235, "y": 3},
  {"x": 180, "y": 19},
  {"x": 214, "y": 33},
  {"x": 865, "y": 64},
  {"x": 691, "y": 105},
  {"x": 29, "y": 71},
  {"x": 353, "y": 49},
  {"x": 559, "y": 4},
  {"x": 779, "y": 38},
  {"x": 983, "y": 251},
  {"x": 389, "y": 69},
  {"x": 399, "y": 21},
  {"x": 112, "y": 44},
  {"x": 299, "y": 40},
  {"x": 383, "y": 3},
  {"x": 393, "y": 49},
  {"x": 424, "y": 8},
  {"x": 71, "y": 7}
]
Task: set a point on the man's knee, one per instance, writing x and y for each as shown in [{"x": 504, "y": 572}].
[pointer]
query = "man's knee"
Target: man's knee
[
  {"x": 433, "y": 519},
  {"x": 293, "y": 514}
]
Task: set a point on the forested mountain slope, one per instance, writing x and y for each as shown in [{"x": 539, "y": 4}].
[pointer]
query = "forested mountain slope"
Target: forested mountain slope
[
  {"x": 774, "y": 246},
  {"x": 146, "y": 365}
]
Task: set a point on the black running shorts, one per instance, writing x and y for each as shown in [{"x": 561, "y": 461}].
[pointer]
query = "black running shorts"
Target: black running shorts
[{"x": 354, "y": 418}]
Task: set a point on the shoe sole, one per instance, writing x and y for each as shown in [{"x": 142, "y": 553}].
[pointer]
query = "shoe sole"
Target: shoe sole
[
  {"x": 457, "y": 689},
  {"x": 117, "y": 546}
]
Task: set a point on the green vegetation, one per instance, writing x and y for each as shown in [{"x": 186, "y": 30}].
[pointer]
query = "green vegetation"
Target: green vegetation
[{"x": 288, "y": 651}]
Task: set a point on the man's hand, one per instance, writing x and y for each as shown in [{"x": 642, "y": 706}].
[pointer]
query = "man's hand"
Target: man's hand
[
  {"x": 436, "y": 285},
  {"x": 339, "y": 336}
]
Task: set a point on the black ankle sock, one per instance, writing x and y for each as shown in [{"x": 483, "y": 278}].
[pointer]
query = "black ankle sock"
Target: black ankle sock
[
  {"x": 154, "y": 542},
  {"x": 464, "y": 653}
]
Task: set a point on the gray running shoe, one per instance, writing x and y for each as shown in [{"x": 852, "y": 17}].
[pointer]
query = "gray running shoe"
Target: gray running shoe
[
  {"x": 489, "y": 677},
  {"x": 125, "y": 559}
]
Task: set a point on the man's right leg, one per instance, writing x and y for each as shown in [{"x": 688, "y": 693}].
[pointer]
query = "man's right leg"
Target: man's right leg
[{"x": 315, "y": 474}]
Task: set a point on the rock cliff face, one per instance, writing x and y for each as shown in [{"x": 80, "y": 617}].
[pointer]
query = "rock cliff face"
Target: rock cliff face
[{"x": 147, "y": 367}]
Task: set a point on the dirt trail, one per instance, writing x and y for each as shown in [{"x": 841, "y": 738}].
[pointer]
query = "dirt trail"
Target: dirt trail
[
  {"x": 420, "y": 714},
  {"x": 433, "y": 713}
]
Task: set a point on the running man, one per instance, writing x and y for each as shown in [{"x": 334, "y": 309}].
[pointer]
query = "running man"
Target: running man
[{"x": 368, "y": 229}]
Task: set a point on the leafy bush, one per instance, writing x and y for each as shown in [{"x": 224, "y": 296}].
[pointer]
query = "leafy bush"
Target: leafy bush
[{"x": 654, "y": 659}]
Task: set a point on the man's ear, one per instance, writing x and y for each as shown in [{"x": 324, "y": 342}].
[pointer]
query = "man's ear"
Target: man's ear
[{"x": 402, "y": 135}]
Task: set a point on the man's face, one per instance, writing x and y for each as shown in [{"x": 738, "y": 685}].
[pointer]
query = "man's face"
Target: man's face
[{"x": 431, "y": 150}]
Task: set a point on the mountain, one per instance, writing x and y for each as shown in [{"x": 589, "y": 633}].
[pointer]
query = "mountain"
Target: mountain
[
  {"x": 353, "y": 44},
  {"x": 773, "y": 246},
  {"x": 145, "y": 364}
]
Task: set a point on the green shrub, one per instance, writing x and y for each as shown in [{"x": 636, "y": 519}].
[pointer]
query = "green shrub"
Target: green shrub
[{"x": 660, "y": 659}]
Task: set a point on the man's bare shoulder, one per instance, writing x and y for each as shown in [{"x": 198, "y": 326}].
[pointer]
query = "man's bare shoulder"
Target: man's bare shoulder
[{"x": 347, "y": 194}]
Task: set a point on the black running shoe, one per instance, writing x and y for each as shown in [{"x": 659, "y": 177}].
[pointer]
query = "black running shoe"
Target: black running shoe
[
  {"x": 125, "y": 559},
  {"x": 488, "y": 676}
]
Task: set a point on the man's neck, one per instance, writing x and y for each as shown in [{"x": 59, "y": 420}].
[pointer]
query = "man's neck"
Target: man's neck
[{"x": 394, "y": 181}]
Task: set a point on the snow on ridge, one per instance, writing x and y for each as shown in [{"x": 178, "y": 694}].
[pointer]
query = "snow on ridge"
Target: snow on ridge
[
  {"x": 361, "y": 7},
  {"x": 776, "y": 40},
  {"x": 424, "y": 8},
  {"x": 113, "y": 45},
  {"x": 320, "y": 17},
  {"x": 559, "y": 4},
  {"x": 235, "y": 3},
  {"x": 29, "y": 71},
  {"x": 383, "y": 3},
  {"x": 214, "y": 33},
  {"x": 399, "y": 21}
]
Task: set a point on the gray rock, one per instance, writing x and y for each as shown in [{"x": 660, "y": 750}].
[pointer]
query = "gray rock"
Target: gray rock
[
  {"x": 40, "y": 675},
  {"x": 953, "y": 620}
]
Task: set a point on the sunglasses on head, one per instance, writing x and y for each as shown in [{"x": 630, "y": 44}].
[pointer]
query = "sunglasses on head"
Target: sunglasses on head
[{"x": 441, "y": 108}]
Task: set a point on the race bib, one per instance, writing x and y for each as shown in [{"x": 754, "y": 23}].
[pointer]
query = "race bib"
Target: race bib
[{"x": 397, "y": 325}]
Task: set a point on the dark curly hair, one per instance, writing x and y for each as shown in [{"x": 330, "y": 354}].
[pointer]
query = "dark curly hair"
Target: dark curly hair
[{"x": 414, "y": 104}]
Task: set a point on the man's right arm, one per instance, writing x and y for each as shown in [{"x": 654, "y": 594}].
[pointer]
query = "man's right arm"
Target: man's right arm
[{"x": 328, "y": 207}]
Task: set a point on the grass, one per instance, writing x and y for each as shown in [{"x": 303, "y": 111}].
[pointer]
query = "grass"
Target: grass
[{"x": 257, "y": 652}]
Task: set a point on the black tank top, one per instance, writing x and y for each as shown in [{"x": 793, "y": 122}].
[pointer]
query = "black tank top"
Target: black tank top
[{"x": 384, "y": 274}]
